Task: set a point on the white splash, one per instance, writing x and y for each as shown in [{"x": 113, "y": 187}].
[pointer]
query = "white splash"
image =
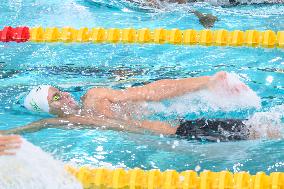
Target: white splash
[
  {"x": 208, "y": 100},
  {"x": 228, "y": 2},
  {"x": 32, "y": 168},
  {"x": 267, "y": 124}
]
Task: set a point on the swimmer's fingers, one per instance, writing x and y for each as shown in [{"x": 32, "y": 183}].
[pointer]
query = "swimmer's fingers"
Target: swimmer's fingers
[
  {"x": 7, "y": 153},
  {"x": 237, "y": 90},
  {"x": 10, "y": 138},
  {"x": 221, "y": 76},
  {"x": 240, "y": 88},
  {"x": 4, "y": 149},
  {"x": 10, "y": 142},
  {"x": 221, "y": 79},
  {"x": 244, "y": 87},
  {"x": 234, "y": 90},
  {"x": 9, "y": 147}
]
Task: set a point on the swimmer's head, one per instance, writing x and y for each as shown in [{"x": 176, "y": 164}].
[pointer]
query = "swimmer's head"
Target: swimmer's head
[
  {"x": 37, "y": 100},
  {"x": 46, "y": 98}
]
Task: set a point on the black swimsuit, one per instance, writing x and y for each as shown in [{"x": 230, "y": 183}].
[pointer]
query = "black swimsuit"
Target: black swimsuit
[{"x": 213, "y": 130}]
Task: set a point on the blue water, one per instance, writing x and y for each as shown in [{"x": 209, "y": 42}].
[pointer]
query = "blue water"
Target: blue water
[{"x": 77, "y": 67}]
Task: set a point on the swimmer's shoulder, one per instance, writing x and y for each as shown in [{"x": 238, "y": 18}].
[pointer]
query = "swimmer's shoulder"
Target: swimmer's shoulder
[
  {"x": 97, "y": 92},
  {"x": 92, "y": 93}
]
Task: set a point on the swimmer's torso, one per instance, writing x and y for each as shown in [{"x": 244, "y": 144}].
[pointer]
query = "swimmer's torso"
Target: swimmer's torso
[{"x": 99, "y": 104}]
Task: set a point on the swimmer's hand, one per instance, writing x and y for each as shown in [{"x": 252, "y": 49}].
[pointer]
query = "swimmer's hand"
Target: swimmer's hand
[
  {"x": 219, "y": 83},
  {"x": 206, "y": 20},
  {"x": 9, "y": 143}
]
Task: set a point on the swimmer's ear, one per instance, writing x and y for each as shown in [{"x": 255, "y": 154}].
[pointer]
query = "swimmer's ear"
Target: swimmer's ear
[{"x": 206, "y": 20}]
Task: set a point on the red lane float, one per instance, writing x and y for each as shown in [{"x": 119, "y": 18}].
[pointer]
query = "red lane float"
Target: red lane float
[
  {"x": 6, "y": 34},
  {"x": 18, "y": 34},
  {"x": 21, "y": 34}
]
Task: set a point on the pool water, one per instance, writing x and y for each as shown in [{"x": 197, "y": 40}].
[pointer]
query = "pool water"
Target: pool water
[{"x": 77, "y": 67}]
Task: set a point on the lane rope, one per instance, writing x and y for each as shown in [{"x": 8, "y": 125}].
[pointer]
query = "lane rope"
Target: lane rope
[
  {"x": 251, "y": 38},
  {"x": 171, "y": 179}
]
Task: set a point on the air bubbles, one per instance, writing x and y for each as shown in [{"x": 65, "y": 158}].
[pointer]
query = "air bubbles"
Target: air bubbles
[
  {"x": 269, "y": 79},
  {"x": 197, "y": 168},
  {"x": 99, "y": 149}
]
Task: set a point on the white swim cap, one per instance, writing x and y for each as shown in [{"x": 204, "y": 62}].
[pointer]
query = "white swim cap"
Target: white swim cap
[{"x": 36, "y": 100}]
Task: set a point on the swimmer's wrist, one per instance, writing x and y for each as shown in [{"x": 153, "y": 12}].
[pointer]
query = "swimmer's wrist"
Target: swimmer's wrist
[{"x": 207, "y": 81}]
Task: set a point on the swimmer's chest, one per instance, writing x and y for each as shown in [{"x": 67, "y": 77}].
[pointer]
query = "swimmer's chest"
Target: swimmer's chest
[{"x": 103, "y": 107}]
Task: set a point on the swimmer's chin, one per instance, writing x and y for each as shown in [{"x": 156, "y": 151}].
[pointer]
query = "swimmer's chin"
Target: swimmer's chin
[
  {"x": 68, "y": 109},
  {"x": 73, "y": 105},
  {"x": 75, "y": 109}
]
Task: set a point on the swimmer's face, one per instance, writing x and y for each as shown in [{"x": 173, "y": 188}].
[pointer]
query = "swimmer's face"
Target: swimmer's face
[{"x": 61, "y": 102}]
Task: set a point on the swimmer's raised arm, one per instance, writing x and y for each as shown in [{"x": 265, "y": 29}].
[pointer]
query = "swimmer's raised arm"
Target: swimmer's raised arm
[
  {"x": 156, "y": 91},
  {"x": 164, "y": 89}
]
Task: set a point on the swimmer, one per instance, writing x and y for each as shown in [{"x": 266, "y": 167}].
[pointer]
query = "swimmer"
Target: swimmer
[
  {"x": 206, "y": 20},
  {"x": 97, "y": 110},
  {"x": 8, "y": 143},
  {"x": 222, "y": 2}
]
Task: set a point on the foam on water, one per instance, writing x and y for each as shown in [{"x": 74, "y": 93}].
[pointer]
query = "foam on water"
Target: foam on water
[
  {"x": 205, "y": 100},
  {"x": 230, "y": 2},
  {"x": 33, "y": 168},
  {"x": 268, "y": 124}
]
